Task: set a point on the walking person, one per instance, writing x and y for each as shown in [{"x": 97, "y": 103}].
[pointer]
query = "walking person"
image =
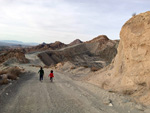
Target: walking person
[
  {"x": 51, "y": 75},
  {"x": 41, "y": 71}
]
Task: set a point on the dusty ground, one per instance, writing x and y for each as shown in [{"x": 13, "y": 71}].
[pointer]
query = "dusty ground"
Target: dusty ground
[{"x": 64, "y": 95}]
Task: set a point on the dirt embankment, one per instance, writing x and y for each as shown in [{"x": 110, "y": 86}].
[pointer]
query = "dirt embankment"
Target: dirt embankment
[
  {"x": 129, "y": 72},
  {"x": 16, "y": 54},
  {"x": 98, "y": 53}
]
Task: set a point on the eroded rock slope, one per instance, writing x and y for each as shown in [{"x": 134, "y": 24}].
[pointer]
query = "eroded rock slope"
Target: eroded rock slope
[{"x": 98, "y": 52}]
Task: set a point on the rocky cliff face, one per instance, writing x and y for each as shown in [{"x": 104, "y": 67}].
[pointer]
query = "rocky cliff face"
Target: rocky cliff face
[
  {"x": 133, "y": 58},
  {"x": 129, "y": 73}
]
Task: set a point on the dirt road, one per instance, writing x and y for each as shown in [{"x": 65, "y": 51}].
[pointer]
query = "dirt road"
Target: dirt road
[{"x": 64, "y": 95}]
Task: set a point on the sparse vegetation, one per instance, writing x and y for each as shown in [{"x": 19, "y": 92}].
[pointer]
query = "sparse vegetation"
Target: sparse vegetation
[
  {"x": 2, "y": 72},
  {"x": 128, "y": 92},
  {"x": 142, "y": 84},
  {"x": 94, "y": 69},
  {"x": 133, "y": 14},
  {"x": 4, "y": 81},
  {"x": 73, "y": 67},
  {"x": 12, "y": 77},
  {"x": 10, "y": 74},
  {"x": 35, "y": 65},
  {"x": 15, "y": 71},
  {"x": 85, "y": 66}
]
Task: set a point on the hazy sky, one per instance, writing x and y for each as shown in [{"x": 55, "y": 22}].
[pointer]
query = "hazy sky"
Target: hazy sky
[{"x": 65, "y": 20}]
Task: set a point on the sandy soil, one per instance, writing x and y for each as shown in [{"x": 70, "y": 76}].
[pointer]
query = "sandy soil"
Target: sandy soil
[{"x": 64, "y": 95}]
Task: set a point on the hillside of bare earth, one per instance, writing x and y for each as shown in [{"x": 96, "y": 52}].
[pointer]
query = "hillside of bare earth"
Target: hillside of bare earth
[
  {"x": 52, "y": 46},
  {"x": 98, "y": 53},
  {"x": 100, "y": 38},
  {"x": 77, "y": 41},
  {"x": 103, "y": 47},
  {"x": 129, "y": 72},
  {"x": 13, "y": 54},
  {"x": 44, "y": 46}
]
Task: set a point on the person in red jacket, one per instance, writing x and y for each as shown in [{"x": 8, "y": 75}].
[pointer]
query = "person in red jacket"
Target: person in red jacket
[{"x": 51, "y": 75}]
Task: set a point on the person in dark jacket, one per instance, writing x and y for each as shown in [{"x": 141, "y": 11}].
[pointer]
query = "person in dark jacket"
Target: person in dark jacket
[{"x": 41, "y": 71}]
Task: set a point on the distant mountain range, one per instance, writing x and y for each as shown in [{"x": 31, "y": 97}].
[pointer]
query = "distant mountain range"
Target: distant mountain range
[{"x": 15, "y": 43}]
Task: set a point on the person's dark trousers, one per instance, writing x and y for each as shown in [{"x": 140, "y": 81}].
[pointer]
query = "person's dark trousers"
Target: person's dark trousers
[
  {"x": 41, "y": 77},
  {"x": 51, "y": 79}
]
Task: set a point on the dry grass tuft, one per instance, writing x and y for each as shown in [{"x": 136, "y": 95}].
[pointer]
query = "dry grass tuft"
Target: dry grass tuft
[
  {"x": 94, "y": 69},
  {"x": 14, "y": 71},
  {"x": 12, "y": 77},
  {"x": 73, "y": 67},
  {"x": 3, "y": 72},
  {"x": 35, "y": 66},
  {"x": 4, "y": 81},
  {"x": 10, "y": 74},
  {"x": 128, "y": 92},
  {"x": 85, "y": 66},
  {"x": 46, "y": 67}
]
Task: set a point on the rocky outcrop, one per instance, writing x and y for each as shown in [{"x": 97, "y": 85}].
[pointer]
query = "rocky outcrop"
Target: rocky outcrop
[
  {"x": 129, "y": 73},
  {"x": 133, "y": 58},
  {"x": 77, "y": 41},
  {"x": 18, "y": 55},
  {"x": 100, "y": 38},
  {"x": 44, "y": 46},
  {"x": 132, "y": 62},
  {"x": 103, "y": 47},
  {"x": 57, "y": 45}
]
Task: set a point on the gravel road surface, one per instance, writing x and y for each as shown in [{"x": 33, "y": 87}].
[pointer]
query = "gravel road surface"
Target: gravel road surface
[{"x": 64, "y": 95}]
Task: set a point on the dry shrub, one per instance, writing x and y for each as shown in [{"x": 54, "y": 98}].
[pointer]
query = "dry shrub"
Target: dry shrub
[
  {"x": 128, "y": 91},
  {"x": 12, "y": 77},
  {"x": 85, "y": 66},
  {"x": 15, "y": 71},
  {"x": 4, "y": 81},
  {"x": 10, "y": 73},
  {"x": 142, "y": 84},
  {"x": 3, "y": 72},
  {"x": 72, "y": 67},
  {"x": 35, "y": 65},
  {"x": 94, "y": 69}
]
